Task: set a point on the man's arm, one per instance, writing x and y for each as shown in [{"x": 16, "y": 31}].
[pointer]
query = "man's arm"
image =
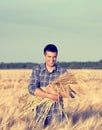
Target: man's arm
[
  {"x": 35, "y": 89},
  {"x": 46, "y": 94}
]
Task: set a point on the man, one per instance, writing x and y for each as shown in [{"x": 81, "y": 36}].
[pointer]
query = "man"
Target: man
[{"x": 43, "y": 75}]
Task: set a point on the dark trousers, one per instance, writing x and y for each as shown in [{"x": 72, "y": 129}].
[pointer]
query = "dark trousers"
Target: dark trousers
[{"x": 55, "y": 112}]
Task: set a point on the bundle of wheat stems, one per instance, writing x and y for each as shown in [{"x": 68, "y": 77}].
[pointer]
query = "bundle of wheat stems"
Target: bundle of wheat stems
[{"x": 64, "y": 85}]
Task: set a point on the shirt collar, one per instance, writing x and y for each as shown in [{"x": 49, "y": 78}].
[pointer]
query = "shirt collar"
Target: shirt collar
[{"x": 43, "y": 67}]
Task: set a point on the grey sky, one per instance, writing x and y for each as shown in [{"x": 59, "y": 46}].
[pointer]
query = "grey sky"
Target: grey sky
[{"x": 75, "y": 26}]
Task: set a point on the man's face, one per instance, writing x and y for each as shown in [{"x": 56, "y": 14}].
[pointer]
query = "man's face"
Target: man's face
[{"x": 50, "y": 58}]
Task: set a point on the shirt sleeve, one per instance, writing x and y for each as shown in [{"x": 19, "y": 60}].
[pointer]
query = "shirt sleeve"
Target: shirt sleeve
[
  {"x": 64, "y": 70},
  {"x": 34, "y": 81}
]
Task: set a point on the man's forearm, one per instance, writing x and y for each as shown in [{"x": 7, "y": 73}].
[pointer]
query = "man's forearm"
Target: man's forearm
[{"x": 43, "y": 94}]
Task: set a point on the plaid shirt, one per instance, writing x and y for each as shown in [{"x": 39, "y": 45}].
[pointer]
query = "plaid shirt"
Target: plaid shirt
[{"x": 41, "y": 77}]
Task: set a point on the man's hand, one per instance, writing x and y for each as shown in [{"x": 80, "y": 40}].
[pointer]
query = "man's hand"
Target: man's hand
[
  {"x": 48, "y": 92},
  {"x": 52, "y": 93}
]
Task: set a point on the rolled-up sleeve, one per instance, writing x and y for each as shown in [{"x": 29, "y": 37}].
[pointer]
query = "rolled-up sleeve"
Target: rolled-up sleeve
[{"x": 34, "y": 81}]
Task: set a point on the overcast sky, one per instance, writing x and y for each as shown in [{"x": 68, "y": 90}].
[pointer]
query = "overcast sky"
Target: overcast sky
[{"x": 74, "y": 26}]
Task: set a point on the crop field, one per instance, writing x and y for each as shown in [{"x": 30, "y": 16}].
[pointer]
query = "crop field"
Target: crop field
[{"x": 82, "y": 107}]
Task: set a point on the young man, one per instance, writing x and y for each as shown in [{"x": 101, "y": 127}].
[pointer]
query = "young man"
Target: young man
[{"x": 43, "y": 75}]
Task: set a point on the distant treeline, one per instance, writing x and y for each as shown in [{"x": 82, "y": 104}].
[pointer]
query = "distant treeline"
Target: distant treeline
[{"x": 69, "y": 65}]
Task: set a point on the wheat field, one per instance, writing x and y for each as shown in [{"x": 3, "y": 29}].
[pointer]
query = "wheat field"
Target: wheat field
[{"x": 82, "y": 107}]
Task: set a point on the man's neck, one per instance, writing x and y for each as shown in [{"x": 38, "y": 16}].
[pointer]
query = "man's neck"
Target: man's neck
[{"x": 50, "y": 68}]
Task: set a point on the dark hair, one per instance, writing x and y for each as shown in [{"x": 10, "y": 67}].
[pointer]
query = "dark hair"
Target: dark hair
[{"x": 50, "y": 47}]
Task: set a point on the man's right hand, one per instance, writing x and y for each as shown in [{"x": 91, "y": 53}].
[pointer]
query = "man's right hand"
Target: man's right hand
[
  {"x": 53, "y": 95},
  {"x": 48, "y": 92}
]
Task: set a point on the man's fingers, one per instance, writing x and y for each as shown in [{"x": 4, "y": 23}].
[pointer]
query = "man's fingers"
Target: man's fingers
[
  {"x": 51, "y": 90},
  {"x": 50, "y": 86}
]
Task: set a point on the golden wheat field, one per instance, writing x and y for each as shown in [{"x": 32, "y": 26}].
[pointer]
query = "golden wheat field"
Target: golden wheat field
[{"x": 82, "y": 106}]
